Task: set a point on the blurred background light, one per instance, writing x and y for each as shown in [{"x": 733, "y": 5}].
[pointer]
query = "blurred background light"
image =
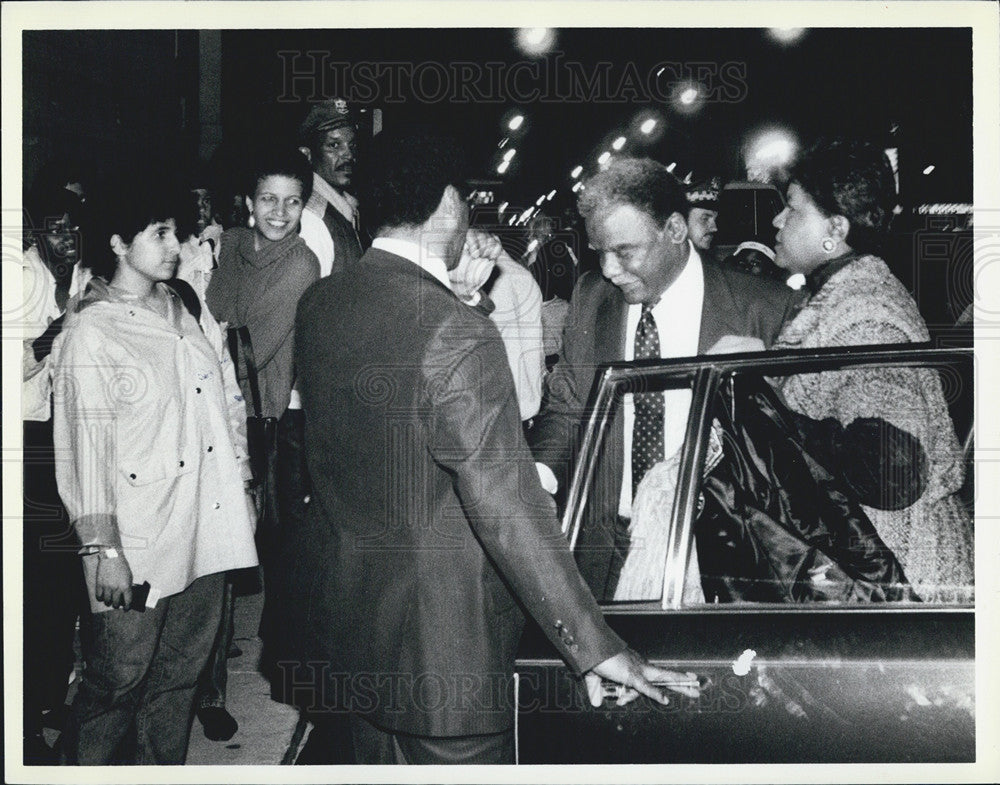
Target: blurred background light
[
  {"x": 768, "y": 152},
  {"x": 786, "y": 35},
  {"x": 535, "y": 41},
  {"x": 619, "y": 143}
]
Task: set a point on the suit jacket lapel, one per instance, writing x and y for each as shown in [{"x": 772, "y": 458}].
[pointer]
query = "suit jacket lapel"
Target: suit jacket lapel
[
  {"x": 718, "y": 306},
  {"x": 609, "y": 337}
]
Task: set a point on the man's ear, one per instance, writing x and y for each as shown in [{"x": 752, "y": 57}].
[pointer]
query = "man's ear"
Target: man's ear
[
  {"x": 839, "y": 227},
  {"x": 307, "y": 153},
  {"x": 119, "y": 246},
  {"x": 451, "y": 201},
  {"x": 676, "y": 228}
]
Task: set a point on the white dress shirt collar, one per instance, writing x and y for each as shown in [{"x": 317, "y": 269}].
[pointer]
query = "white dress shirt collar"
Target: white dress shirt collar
[
  {"x": 420, "y": 256},
  {"x": 678, "y": 323}
]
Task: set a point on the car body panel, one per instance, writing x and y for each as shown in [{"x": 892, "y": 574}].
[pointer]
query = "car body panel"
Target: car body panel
[
  {"x": 877, "y": 682},
  {"x": 825, "y": 686}
]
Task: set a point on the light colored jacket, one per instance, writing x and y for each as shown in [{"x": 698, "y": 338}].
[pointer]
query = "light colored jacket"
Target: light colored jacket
[
  {"x": 38, "y": 312},
  {"x": 518, "y": 317},
  {"x": 150, "y": 434},
  {"x": 864, "y": 303}
]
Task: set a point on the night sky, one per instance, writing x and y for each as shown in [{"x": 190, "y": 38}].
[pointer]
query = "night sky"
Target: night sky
[{"x": 595, "y": 82}]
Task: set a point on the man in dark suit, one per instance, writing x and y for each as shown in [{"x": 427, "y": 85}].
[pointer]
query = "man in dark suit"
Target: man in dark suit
[
  {"x": 654, "y": 297},
  {"x": 428, "y": 527}
]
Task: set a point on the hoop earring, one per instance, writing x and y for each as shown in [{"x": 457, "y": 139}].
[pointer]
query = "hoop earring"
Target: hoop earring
[
  {"x": 828, "y": 244},
  {"x": 251, "y": 222}
]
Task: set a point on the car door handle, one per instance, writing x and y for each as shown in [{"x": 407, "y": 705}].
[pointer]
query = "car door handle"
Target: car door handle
[{"x": 610, "y": 689}]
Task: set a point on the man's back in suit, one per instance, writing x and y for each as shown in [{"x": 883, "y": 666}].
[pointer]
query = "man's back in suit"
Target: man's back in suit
[{"x": 427, "y": 518}]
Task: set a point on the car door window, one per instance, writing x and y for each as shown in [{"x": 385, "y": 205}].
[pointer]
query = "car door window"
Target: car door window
[{"x": 776, "y": 518}]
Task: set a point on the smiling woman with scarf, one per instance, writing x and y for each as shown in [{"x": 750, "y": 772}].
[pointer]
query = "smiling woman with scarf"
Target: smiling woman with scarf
[{"x": 263, "y": 270}]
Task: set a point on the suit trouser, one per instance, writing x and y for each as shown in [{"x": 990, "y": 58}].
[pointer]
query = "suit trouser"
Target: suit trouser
[
  {"x": 293, "y": 488},
  {"x": 135, "y": 703},
  {"x": 601, "y": 552},
  {"x": 375, "y": 746}
]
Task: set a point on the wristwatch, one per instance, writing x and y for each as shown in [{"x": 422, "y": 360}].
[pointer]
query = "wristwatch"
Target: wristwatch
[{"x": 100, "y": 550}]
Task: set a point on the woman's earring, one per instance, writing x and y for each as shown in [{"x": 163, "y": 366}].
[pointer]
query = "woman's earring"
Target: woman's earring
[
  {"x": 828, "y": 244},
  {"x": 251, "y": 222}
]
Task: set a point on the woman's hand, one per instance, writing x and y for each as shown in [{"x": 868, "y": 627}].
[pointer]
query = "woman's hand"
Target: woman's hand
[{"x": 113, "y": 581}]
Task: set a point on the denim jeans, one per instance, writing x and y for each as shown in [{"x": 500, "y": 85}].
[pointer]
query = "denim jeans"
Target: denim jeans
[
  {"x": 136, "y": 695},
  {"x": 215, "y": 676}
]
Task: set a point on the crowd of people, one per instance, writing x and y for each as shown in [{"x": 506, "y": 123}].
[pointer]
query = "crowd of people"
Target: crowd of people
[{"x": 383, "y": 424}]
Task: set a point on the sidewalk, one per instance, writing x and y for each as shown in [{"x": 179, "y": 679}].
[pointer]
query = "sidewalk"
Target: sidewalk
[{"x": 266, "y": 727}]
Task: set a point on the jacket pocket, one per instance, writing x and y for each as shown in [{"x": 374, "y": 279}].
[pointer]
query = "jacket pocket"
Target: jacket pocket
[{"x": 140, "y": 470}]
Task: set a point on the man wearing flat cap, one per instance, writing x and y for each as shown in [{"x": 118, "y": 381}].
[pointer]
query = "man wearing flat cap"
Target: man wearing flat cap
[
  {"x": 703, "y": 197},
  {"x": 326, "y": 138}
]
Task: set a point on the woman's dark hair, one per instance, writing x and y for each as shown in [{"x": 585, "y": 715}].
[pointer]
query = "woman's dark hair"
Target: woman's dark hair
[
  {"x": 126, "y": 209},
  {"x": 851, "y": 178},
  {"x": 408, "y": 173},
  {"x": 286, "y": 161}
]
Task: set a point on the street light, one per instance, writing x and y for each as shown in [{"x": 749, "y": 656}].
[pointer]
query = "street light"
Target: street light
[
  {"x": 510, "y": 154},
  {"x": 576, "y": 172},
  {"x": 604, "y": 157},
  {"x": 515, "y": 122},
  {"x": 619, "y": 143},
  {"x": 929, "y": 169},
  {"x": 648, "y": 126},
  {"x": 503, "y": 166},
  {"x": 536, "y": 41},
  {"x": 786, "y": 35}
]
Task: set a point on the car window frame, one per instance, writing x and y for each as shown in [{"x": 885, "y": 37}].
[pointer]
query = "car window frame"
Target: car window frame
[{"x": 704, "y": 375}]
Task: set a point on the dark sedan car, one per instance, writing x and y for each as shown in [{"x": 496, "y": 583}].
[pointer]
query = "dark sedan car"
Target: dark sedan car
[{"x": 807, "y": 681}]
